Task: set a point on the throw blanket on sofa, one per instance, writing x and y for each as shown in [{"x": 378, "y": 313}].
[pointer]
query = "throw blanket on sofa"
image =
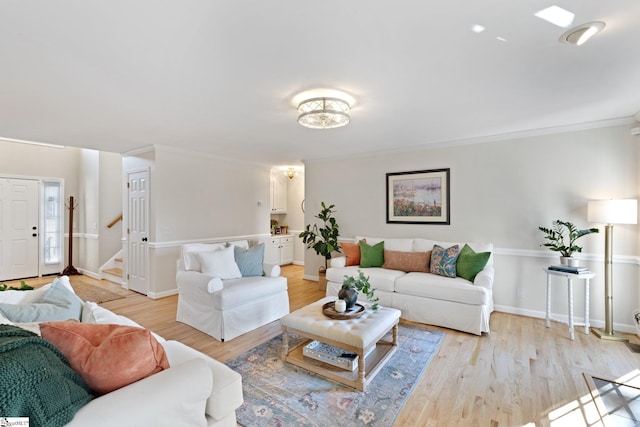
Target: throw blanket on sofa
[{"x": 36, "y": 381}]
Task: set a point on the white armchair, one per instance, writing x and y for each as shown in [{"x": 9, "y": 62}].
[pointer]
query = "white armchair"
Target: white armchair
[{"x": 226, "y": 307}]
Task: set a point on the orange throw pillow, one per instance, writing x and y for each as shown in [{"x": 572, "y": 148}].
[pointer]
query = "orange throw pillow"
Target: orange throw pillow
[
  {"x": 351, "y": 252},
  {"x": 107, "y": 357},
  {"x": 407, "y": 261}
]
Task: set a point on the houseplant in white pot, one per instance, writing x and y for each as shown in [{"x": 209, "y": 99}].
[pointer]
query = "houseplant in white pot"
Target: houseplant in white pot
[
  {"x": 323, "y": 239},
  {"x": 556, "y": 235}
]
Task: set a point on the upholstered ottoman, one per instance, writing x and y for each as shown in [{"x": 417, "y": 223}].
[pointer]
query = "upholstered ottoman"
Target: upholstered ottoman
[{"x": 362, "y": 336}]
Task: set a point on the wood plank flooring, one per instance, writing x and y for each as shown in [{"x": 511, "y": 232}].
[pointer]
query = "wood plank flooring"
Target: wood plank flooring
[{"x": 522, "y": 374}]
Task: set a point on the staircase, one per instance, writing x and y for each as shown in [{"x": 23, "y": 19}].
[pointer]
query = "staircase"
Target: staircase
[{"x": 113, "y": 270}]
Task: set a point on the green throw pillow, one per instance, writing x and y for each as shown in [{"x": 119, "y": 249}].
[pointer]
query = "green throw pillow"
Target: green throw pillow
[
  {"x": 443, "y": 261},
  {"x": 471, "y": 263},
  {"x": 371, "y": 256}
]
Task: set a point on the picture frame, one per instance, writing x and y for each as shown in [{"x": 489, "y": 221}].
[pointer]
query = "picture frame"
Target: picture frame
[{"x": 419, "y": 197}]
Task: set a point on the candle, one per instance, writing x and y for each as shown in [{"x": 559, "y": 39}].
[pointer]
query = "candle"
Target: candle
[{"x": 340, "y": 305}]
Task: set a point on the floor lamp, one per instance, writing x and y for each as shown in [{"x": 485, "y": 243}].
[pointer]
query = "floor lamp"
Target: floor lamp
[{"x": 609, "y": 212}]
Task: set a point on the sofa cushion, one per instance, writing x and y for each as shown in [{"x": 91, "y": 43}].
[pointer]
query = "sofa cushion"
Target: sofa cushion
[
  {"x": 380, "y": 278},
  {"x": 189, "y": 250},
  {"x": 244, "y": 244},
  {"x": 107, "y": 357},
  {"x": 443, "y": 260},
  {"x": 404, "y": 245},
  {"x": 407, "y": 261},
  {"x": 351, "y": 252},
  {"x": 237, "y": 292},
  {"x": 249, "y": 260},
  {"x": 470, "y": 263},
  {"x": 443, "y": 288},
  {"x": 371, "y": 256},
  {"x": 56, "y": 303},
  {"x": 93, "y": 313},
  {"x": 220, "y": 263}
]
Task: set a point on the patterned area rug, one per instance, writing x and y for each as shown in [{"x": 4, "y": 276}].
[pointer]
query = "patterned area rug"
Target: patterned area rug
[{"x": 279, "y": 394}]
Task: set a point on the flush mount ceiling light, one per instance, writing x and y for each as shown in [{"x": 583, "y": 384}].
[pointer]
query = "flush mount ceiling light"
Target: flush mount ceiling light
[
  {"x": 580, "y": 34},
  {"x": 323, "y": 112}
]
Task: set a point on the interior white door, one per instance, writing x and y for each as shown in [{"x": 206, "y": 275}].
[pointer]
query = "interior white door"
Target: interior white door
[
  {"x": 138, "y": 228},
  {"x": 18, "y": 228}
]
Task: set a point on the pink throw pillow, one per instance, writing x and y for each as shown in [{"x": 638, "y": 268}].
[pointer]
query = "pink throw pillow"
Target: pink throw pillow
[{"x": 107, "y": 357}]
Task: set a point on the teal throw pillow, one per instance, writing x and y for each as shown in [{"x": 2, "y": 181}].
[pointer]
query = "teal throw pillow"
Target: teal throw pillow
[
  {"x": 371, "y": 256},
  {"x": 58, "y": 303},
  {"x": 250, "y": 261},
  {"x": 443, "y": 261},
  {"x": 471, "y": 263}
]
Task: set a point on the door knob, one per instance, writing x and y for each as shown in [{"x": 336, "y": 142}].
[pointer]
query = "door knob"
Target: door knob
[
  {"x": 144, "y": 239},
  {"x": 35, "y": 235},
  {"x": 34, "y": 228}
]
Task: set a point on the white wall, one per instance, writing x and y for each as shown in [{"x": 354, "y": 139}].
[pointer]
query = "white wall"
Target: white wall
[
  {"x": 501, "y": 192},
  {"x": 24, "y": 160},
  {"x": 198, "y": 198}
]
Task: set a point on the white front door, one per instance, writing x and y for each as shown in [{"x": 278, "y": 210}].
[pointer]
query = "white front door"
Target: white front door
[
  {"x": 18, "y": 228},
  {"x": 138, "y": 228}
]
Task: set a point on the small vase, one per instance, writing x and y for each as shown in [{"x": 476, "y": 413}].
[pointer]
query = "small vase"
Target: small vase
[{"x": 349, "y": 295}]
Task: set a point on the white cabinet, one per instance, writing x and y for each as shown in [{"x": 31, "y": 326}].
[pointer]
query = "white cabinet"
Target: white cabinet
[
  {"x": 278, "y": 193},
  {"x": 279, "y": 250}
]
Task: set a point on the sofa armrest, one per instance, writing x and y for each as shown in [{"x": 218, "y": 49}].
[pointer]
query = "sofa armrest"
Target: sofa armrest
[
  {"x": 186, "y": 279},
  {"x": 271, "y": 270},
  {"x": 338, "y": 262},
  {"x": 485, "y": 278},
  {"x": 175, "y": 396},
  {"x": 226, "y": 392}
]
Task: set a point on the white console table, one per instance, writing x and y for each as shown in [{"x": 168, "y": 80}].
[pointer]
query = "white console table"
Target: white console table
[{"x": 585, "y": 276}]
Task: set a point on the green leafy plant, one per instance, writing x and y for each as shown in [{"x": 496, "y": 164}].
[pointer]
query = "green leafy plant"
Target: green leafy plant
[
  {"x": 323, "y": 239},
  {"x": 23, "y": 287},
  {"x": 361, "y": 284},
  {"x": 561, "y": 230}
]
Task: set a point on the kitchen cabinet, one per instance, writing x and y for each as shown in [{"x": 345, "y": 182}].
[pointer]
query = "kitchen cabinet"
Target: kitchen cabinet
[
  {"x": 278, "y": 193},
  {"x": 279, "y": 250}
]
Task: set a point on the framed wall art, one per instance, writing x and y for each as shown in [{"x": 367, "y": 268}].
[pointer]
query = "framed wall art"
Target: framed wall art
[{"x": 418, "y": 197}]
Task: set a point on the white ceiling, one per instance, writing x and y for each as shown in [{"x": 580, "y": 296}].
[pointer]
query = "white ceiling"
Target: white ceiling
[{"x": 219, "y": 76}]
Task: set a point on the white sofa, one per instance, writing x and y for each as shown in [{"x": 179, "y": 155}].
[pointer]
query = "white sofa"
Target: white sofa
[
  {"x": 196, "y": 390},
  {"x": 227, "y": 308},
  {"x": 453, "y": 303}
]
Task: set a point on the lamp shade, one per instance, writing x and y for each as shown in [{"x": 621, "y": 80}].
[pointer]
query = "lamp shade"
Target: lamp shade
[{"x": 620, "y": 211}]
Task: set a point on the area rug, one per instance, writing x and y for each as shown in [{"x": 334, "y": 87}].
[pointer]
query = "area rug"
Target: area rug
[
  {"x": 617, "y": 401},
  {"x": 93, "y": 293},
  {"x": 279, "y": 394}
]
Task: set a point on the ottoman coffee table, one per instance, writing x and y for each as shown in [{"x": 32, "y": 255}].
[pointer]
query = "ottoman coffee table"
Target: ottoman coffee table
[{"x": 362, "y": 336}]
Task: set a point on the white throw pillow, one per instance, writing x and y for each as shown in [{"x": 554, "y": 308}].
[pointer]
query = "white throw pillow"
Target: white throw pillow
[
  {"x": 189, "y": 251},
  {"x": 219, "y": 263}
]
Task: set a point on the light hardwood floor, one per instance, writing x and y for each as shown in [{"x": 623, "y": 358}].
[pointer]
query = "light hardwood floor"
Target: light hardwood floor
[{"x": 522, "y": 374}]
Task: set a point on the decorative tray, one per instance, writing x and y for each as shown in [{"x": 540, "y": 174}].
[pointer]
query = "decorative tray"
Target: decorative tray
[{"x": 354, "y": 312}]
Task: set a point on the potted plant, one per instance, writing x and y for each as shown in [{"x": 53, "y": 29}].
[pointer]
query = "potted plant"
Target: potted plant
[
  {"x": 323, "y": 239},
  {"x": 556, "y": 235},
  {"x": 352, "y": 285}
]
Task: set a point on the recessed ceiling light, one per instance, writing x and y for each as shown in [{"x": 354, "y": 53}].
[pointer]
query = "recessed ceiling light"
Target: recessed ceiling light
[
  {"x": 478, "y": 29},
  {"x": 556, "y": 15},
  {"x": 580, "y": 34},
  {"x": 501, "y": 39}
]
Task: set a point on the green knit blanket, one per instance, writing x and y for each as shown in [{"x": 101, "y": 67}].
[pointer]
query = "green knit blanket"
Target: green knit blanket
[{"x": 36, "y": 380}]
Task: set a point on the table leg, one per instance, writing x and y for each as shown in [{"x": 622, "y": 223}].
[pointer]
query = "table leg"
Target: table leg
[
  {"x": 285, "y": 343},
  {"x": 548, "y": 315},
  {"x": 395, "y": 335},
  {"x": 586, "y": 307},
  {"x": 361, "y": 367},
  {"x": 570, "y": 297}
]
